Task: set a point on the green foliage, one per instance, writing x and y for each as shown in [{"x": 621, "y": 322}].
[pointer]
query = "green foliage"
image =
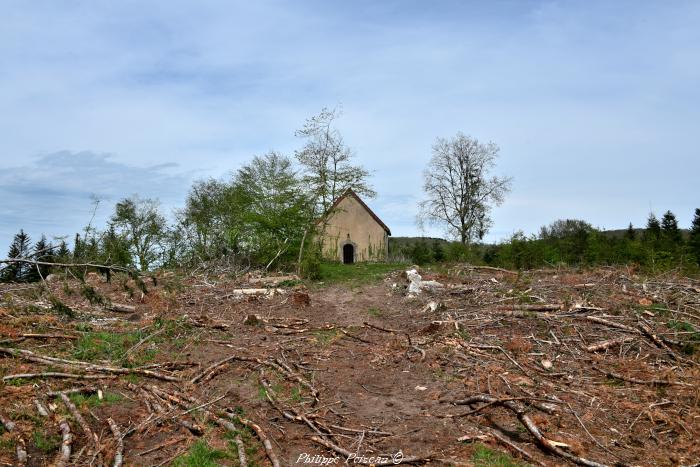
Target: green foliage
[
  {"x": 58, "y": 307},
  {"x": 694, "y": 237},
  {"x": 93, "y": 295},
  {"x": 138, "y": 224},
  {"x": 201, "y": 455},
  {"x": 358, "y": 273},
  {"x": 484, "y": 456},
  {"x": 18, "y": 272},
  {"x": 575, "y": 242}
]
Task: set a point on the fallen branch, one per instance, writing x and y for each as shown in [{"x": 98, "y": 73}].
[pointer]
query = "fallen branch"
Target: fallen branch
[
  {"x": 66, "y": 442},
  {"x": 47, "y": 360},
  {"x": 119, "y": 454},
  {"x": 612, "y": 324},
  {"x": 53, "y": 374},
  {"x": 652, "y": 382},
  {"x": 604, "y": 345},
  {"x": 532, "y": 427}
]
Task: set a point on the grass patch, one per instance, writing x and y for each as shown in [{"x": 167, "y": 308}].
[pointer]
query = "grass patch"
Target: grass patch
[
  {"x": 93, "y": 401},
  {"x": 690, "y": 341},
  {"x": 486, "y": 457},
  {"x": 374, "y": 311},
  {"x": 110, "y": 346},
  {"x": 46, "y": 444},
  {"x": 201, "y": 455},
  {"x": 325, "y": 336},
  {"x": 359, "y": 273}
]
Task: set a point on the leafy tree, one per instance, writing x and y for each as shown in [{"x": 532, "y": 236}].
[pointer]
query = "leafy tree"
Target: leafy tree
[
  {"x": 327, "y": 162},
  {"x": 459, "y": 190},
  {"x": 115, "y": 248},
  {"x": 139, "y": 221},
  {"x": 211, "y": 219},
  {"x": 276, "y": 208},
  {"x": 694, "y": 237}
]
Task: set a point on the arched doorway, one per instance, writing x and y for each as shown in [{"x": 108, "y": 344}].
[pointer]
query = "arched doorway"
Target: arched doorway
[{"x": 348, "y": 253}]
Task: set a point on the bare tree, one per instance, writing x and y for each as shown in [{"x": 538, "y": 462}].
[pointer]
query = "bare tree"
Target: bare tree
[
  {"x": 326, "y": 161},
  {"x": 459, "y": 190}
]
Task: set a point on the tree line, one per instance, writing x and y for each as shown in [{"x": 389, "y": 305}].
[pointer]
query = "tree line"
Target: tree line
[
  {"x": 269, "y": 212},
  {"x": 262, "y": 215},
  {"x": 659, "y": 246}
]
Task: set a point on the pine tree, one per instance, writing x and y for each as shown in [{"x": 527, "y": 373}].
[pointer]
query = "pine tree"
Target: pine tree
[
  {"x": 653, "y": 230},
  {"x": 694, "y": 238},
  {"x": 43, "y": 251},
  {"x": 630, "y": 234},
  {"x": 669, "y": 228},
  {"x": 20, "y": 248},
  {"x": 63, "y": 253}
]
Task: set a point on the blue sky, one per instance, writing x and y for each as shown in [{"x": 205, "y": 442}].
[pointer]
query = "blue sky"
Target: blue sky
[{"x": 595, "y": 104}]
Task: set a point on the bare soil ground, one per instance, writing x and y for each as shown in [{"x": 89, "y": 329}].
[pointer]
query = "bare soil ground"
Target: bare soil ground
[{"x": 503, "y": 363}]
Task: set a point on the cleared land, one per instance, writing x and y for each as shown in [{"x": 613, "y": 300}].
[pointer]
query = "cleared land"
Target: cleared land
[{"x": 544, "y": 367}]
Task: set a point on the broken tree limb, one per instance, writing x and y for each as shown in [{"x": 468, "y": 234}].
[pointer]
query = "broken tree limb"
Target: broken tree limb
[
  {"x": 612, "y": 324},
  {"x": 653, "y": 382},
  {"x": 53, "y": 374},
  {"x": 118, "y": 455},
  {"x": 222, "y": 422},
  {"x": 504, "y": 440},
  {"x": 85, "y": 366},
  {"x": 604, "y": 345},
  {"x": 121, "y": 308},
  {"x": 531, "y": 307},
  {"x": 81, "y": 421},
  {"x": 240, "y": 447},
  {"x": 63, "y": 456},
  {"x": 7, "y": 423},
  {"x": 532, "y": 427},
  {"x": 110, "y": 267}
]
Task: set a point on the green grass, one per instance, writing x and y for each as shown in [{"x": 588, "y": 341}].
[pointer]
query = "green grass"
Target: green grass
[
  {"x": 325, "y": 336},
  {"x": 110, "y": 346},
  {"x": 486, "y": 457},
  {"x": 201, "y": 455},
  {"x": 374, "y": 311},
  {"x": 93, "y": 401},
  {"x": 690, "y": 341},
  {"x": 46, "y": 444},
  {"x": 359, "y": 273}
]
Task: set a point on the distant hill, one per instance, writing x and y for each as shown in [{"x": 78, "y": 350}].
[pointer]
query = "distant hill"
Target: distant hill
[{"x": 398, "y": 243}]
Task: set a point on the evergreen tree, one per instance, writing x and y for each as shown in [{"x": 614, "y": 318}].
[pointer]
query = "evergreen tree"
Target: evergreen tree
[
  {"x": 653, "y": 230},
  {"x": 63, "y": 253},
  {"x": 694, "y": 238},
  {"x": 43, "y": 251},
  {"x": 630, "y": 234},
  {"x": 438, "y": 252},
  {"x": 669, "y": 228},
  {"x": 20, "y": 248}
]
